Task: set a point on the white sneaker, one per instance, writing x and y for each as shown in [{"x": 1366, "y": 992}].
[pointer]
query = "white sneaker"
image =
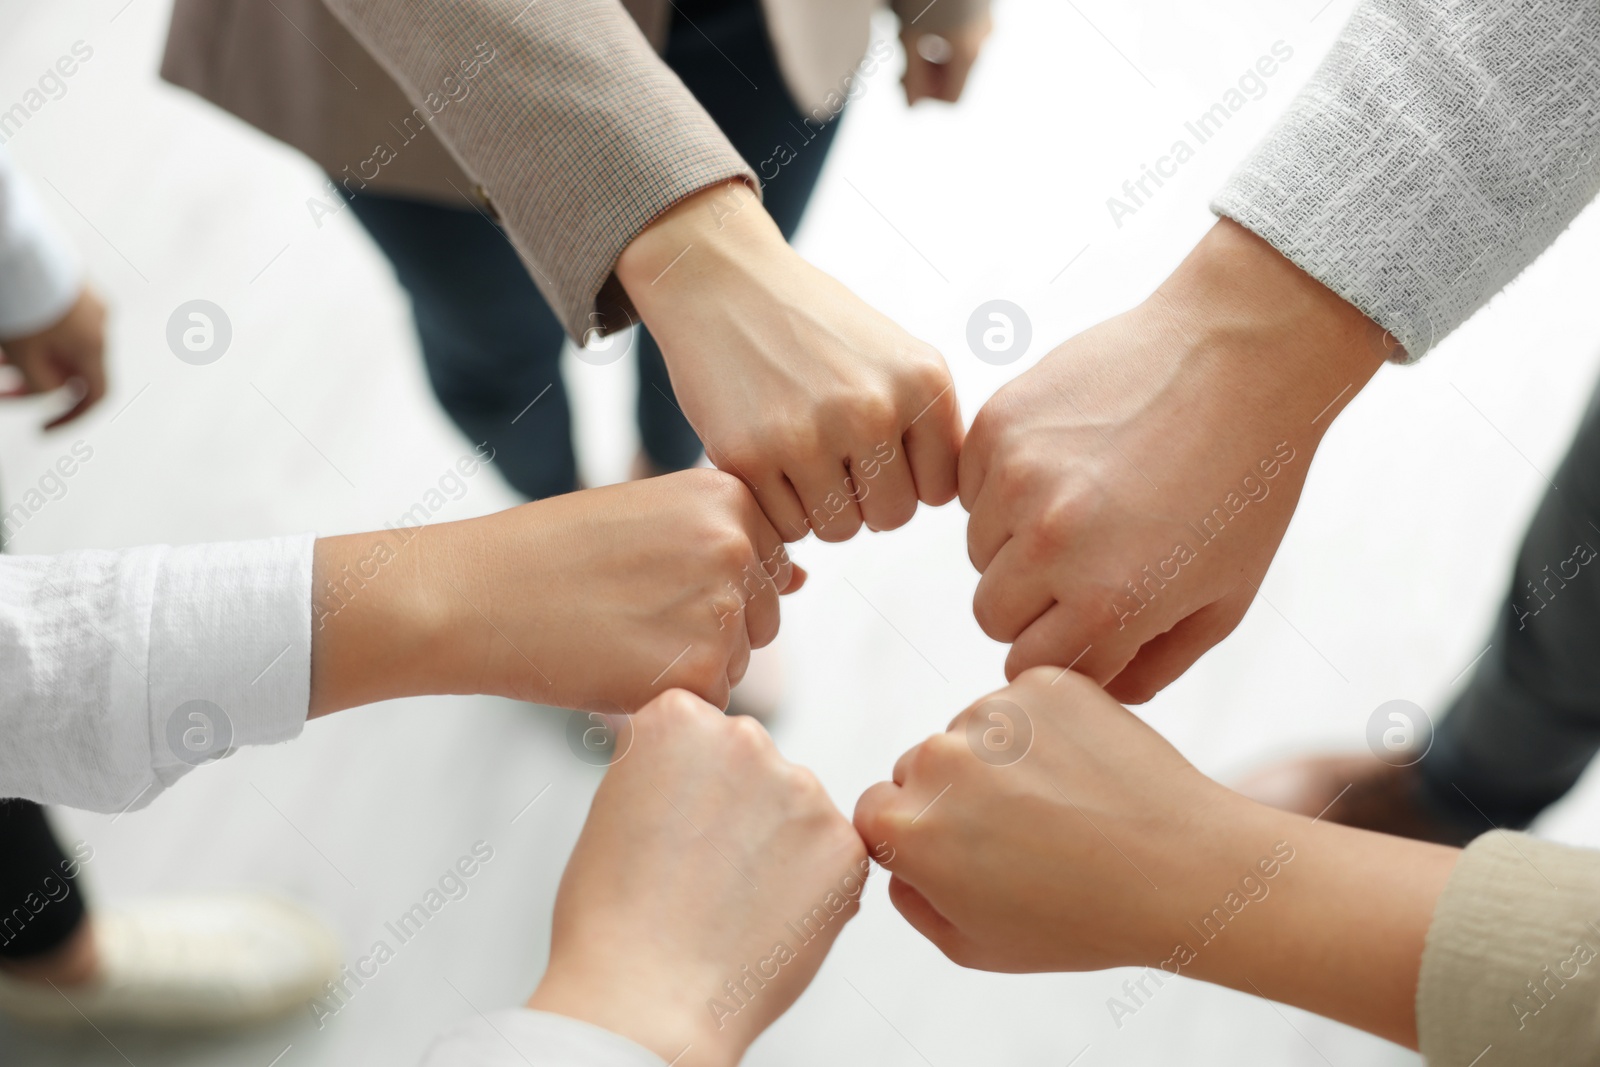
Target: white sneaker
[{"x": 220, "y": 959}]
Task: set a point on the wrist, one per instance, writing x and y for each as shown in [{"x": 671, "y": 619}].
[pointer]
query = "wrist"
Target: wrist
[
  {"x": 1341, "y": 927},
  {"x": 675, "y": 1032},
  {"x": 380, "y": 626},
  {"x": 701, "y": 244},
  {"x": 1278, "y": 338}
]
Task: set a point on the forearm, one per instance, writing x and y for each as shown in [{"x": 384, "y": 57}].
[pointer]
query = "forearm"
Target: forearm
[
  {"x": 1342, "y": 926},
  {"x": 381, "y": 619},
  {"x": 1288, "y": 346}
]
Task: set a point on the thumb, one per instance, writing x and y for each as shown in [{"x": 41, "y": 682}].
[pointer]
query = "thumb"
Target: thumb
[{"x": 797, "y": 578}]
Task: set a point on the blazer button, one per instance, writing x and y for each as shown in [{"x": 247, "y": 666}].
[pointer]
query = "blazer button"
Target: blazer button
[{"x": 488, "y": 205}]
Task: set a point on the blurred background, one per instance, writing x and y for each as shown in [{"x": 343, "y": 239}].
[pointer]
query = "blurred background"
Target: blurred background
[{"x": 318, "y": 417}]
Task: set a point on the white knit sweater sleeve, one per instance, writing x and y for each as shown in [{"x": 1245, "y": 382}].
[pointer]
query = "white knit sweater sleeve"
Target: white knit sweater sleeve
[{"x": 1438, "y": 149}]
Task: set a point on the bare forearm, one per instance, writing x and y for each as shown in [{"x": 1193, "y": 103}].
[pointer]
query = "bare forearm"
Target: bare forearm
[
  {"x": 380, "y": 628},
  {"x": 1341, "y": 929}
]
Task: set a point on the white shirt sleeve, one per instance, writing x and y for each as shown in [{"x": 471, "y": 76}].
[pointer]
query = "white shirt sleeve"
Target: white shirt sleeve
[
  {"x": 40, "y": 275},
  {"x": 125, "y": 669},
  {"x": 517, "y": 1037}
]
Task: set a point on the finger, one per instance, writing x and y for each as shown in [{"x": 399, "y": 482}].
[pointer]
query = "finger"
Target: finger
[
  {"x": 989, "y": 528},
  {"x": 903, "y": 765},
  {"x": 772, "y": 555},
  {"x": 782, "y": 506},
  {"x": 82, "y": 404},
  {"x": 830, "y": 510},
  {"x": 915, "y": 79},
  {"x": 1161, "y": 660},
  {"x": 874, "y": 814},
  {"x": 797, "y": 580},
  {"x": 923, "y": 916},
  {"x": 884, "y": 488},
  {"x": 955, "y": 79},
  {"x": 761, "y": 613},
  {"x": 1075, "y": 638},
  {"x": 1010, "y": 596},
  {"x": 972, "y": 466},
  {"x": 39, "y": 372},
  {"x": 933, "y": 443},
  {"x": 739, "y": 657}
]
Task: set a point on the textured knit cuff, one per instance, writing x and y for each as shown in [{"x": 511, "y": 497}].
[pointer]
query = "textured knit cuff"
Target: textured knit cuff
[
  {"x": 1511, "y": 968},
  {"x": 1435, "y": 153}
]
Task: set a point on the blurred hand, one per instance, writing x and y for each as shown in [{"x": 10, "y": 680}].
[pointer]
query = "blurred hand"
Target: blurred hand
[
  {"x": 1129, "y": 491},
  {"x": 832, "y": 414},
  {"x": 938, "y": 64},
  {"x": 70, "y": 351},
  {"x": 710, "y": 880},
  {"x": 608, "y": 595}
]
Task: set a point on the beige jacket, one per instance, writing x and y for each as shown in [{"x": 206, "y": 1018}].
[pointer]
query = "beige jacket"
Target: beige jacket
[
  {"x": 559, "y": 111},
  {"x": 1511, "y": 971}
]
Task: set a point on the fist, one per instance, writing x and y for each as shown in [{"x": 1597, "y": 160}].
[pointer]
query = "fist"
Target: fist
[
  {"x": 617, "y": 594},
  {"x": 710, "y": 880}
]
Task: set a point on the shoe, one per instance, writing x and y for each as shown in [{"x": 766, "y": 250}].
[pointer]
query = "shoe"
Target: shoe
[
  {"x": 189, "y": 963},
  {"x": 1363, "y": 792}
]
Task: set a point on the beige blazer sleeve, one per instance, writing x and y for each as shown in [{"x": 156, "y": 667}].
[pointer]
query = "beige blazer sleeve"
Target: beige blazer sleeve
[
  {"x": 1511, "y": 968},
  {"x": 578, "y": 132}
]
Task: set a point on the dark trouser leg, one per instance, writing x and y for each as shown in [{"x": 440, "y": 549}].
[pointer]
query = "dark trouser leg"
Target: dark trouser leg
[
  {"x": 491, "y": 344},
  {"x": 40, "y": 905},
  {"x": 718, "y": 55},
  {"x": 1529, "y": 721}
]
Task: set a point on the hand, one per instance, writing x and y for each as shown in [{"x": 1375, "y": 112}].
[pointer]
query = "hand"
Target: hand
[
  {"x": 1128, "y": 492},
  {"x": 831, "y": 413},
  {"x": 606, "y": 596},
  {"x": 710, "y": 880},
  {"x": 938, "y": 64},
  {"x": 1092, "y": 843},
  {"x": 72, "y": 350}
]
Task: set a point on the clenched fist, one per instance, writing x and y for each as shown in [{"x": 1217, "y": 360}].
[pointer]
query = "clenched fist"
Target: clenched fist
[
  {"x": 832, "y": 414},
  {"x": 605, "y": 596},
  {"x": 711, "y": 879},
  {"x": 1129, "y": 491}
]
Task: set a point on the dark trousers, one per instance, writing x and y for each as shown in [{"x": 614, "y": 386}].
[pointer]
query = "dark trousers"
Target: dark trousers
[
  {"x": 1528, "y": 723},
  {"x": 491, "y": 343},
  {"x": 40, "y": 904}
]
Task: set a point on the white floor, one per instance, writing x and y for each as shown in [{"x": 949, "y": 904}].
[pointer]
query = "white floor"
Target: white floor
[{"x": 318, "y": 417}]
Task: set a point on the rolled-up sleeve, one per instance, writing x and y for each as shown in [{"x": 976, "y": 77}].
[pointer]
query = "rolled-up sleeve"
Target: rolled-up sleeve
[{"x": 126, "y": 669}]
